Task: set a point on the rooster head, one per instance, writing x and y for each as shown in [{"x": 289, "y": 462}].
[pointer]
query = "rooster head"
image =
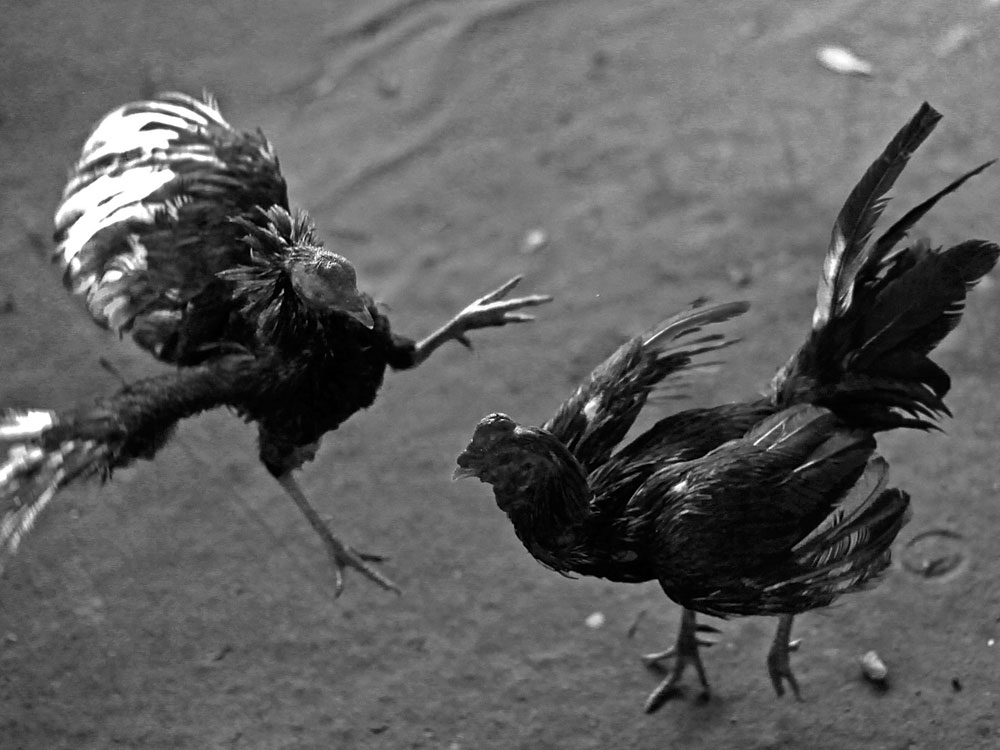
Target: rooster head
[
  {"x": 493, "y": 444},
  {"x": 324, "y": 280},
  {"x": 520, "y": 462},
  {"x": 284, "y": 249}
]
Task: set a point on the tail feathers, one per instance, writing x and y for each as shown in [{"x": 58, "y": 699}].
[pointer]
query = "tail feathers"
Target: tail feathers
[
  {"x": 873, "y": 367},
  {"x": 601, "y": 411},
  {"x": 32, "y": 472},
  {"x": 861, "y": 212},
  {"x": 895, "y": 233},
  {"x": 921, "y": 301},
  {"x": 882, "y": 309}
]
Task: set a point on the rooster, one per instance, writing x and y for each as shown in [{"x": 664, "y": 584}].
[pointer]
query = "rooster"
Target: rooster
[
  {"x": 177, "y": 230},
  {"x": 773, "y": 506}
]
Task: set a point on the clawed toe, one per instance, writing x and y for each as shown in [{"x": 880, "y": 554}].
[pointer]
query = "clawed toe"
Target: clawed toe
[
  {"x": 344, "y": 557},
  {"x": 655, "y": 660},
  {"x": 493, "y": 310},
  {"x": 685, "y": 651}
]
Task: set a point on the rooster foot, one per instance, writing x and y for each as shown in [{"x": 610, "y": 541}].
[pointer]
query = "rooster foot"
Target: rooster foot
[{"x": 684, "y": 652}]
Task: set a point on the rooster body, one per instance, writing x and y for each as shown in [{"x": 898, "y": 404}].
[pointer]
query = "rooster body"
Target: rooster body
[
  {"x": 777, "y": 505},
  {"x": 176, "y": 229}
]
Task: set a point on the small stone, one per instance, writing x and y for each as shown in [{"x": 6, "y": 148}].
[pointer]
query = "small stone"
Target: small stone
[
  {"x": 873, "y": 667},
  {"x": 842, "y": 60},
  {"x": 535, "y": 240},
  {"x": 595, "y": 620}
]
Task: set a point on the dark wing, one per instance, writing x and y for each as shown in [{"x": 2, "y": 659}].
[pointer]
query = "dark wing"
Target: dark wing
[
  {"x": 848, "y": 552},
  {"x": 146, "y": 219},
  {"x": 729, "y": 529},
  {"x": 601, "y": 411},
  {"x": 680, "y": 437}
]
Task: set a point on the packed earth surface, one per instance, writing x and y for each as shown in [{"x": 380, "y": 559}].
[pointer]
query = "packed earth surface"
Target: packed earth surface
[{"x": 626, "y": 157}]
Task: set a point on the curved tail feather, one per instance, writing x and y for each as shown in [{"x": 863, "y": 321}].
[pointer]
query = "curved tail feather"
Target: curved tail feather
[
  {"x": 33, "y": 472},
  {"x": 881, "y": 309}
]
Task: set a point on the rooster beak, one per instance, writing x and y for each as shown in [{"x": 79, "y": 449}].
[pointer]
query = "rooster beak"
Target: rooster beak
[
  {"x": 462, "y": 473},
  {"x": 332, "y": 286},
  {"x": 352, "y": 304},
  {"x": 359, "y": 312}
]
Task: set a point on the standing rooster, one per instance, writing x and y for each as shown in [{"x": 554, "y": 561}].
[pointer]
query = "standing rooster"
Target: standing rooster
[
  {"x": 176, "y": 228},
  {"x": 773, "y": 506}
]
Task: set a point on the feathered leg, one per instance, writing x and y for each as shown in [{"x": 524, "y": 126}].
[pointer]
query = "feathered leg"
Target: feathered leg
[
  {"x": 777, "y": 658},
  {"x": 488, "y": 311},
  {"x": 684, "y": 652},
  {"x": 342, "y": 556}
]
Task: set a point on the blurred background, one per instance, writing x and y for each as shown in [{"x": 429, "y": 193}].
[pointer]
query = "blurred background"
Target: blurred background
[{"x": 626, "y": 157}]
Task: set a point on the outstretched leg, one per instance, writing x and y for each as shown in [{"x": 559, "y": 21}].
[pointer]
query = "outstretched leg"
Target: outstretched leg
[
  {"x": 341, "y": 555},
  {"x": 777, "y": 658},
  {"x": 487, "y": 311},
  {"x": 684, "y": 652}
]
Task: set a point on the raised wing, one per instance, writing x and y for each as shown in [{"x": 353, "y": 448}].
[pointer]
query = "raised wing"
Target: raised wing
[
  {"x": 601, "y": 411},
  {"x": 146, "y": 219}
]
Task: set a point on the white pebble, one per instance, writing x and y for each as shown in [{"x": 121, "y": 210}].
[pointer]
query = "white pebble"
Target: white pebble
[
  {"x": 843, "y": 61},
  {"x": 534, "y": 241},
  {"x": 595, "y": 621},
  {"x": 873, "y": 667},
  {"x": 990, "y": 642}
]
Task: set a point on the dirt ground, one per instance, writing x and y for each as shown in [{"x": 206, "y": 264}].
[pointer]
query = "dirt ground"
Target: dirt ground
[{"x": 668, "y": 150}]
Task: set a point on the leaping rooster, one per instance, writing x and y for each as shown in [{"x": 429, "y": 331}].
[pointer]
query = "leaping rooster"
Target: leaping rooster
[{"x": 176, "y": 228}]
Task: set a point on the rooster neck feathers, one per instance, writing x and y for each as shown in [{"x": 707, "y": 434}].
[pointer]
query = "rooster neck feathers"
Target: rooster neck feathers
[
  {"x": 285, "y": 267},
  {"x": 537, "y": 482}
]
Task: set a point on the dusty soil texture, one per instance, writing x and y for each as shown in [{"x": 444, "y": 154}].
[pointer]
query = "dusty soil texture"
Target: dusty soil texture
[{"x": 669, "y": 150}]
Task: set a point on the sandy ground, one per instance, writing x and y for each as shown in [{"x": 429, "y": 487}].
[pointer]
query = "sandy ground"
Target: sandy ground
[{"x": 669, "y": 150}]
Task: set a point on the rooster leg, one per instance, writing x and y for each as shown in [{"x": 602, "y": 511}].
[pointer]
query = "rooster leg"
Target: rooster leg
[
  {"x": 684, "y": 652},
  {"x": 487, "y": 311},
  {"x": 342, "y": 556},
  {"x": 777, "y": 658}
]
